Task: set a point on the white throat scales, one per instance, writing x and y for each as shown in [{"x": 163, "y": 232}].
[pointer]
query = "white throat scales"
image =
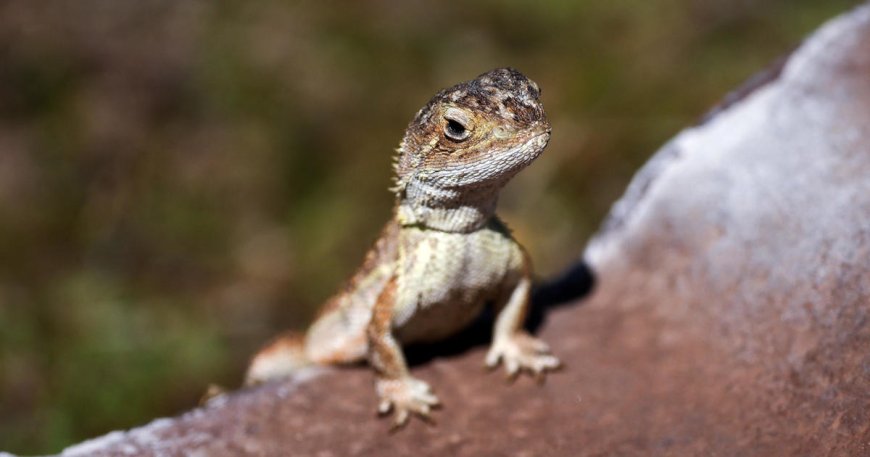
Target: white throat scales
[{"x": 448, "y": 210}]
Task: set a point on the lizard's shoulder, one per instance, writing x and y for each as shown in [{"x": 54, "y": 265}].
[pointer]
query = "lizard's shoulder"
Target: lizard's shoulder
[{"x": 364, "y": 286}]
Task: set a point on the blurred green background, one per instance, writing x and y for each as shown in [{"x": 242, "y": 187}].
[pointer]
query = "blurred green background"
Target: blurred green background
[{"x": 180, "y": 180}]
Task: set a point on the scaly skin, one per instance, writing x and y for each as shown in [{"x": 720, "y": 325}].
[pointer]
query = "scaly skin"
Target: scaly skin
[{"x": 443, "y": 255}]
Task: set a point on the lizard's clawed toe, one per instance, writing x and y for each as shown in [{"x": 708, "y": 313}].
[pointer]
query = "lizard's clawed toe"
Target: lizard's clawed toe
[
  {"x": 520, "y": 352},
  {"x": 405, "y": 396}
]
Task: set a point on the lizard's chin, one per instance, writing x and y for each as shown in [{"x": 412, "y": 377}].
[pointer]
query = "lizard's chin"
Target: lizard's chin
[{"x": 539, "y": 141}]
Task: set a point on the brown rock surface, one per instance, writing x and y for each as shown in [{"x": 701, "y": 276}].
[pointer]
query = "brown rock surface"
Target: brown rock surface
[{"x": 731, "y": 314}]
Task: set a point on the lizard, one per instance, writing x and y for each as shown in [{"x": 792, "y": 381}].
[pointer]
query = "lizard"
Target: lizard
[{"x": 442, "y": 256}]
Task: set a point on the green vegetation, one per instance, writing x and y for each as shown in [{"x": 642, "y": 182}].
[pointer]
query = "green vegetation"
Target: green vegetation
[{"x": 181, "y": 180}]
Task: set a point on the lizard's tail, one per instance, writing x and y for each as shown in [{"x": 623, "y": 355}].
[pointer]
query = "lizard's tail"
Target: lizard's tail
[{"x": 281, "y": 358}]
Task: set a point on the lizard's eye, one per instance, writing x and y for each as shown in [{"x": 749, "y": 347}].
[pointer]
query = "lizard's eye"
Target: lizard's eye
[
  {"x": 458, "y": 124},
  {"x": 455, "y": 130}
]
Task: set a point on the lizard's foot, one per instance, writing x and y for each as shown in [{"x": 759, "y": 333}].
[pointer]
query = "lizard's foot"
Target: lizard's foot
[
  {"x": 405, "y": 396},
  {"x": 521, "y": 351}
]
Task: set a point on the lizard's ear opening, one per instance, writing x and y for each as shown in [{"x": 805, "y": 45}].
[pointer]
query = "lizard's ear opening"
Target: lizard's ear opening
[{"x": 458, "y": 126}]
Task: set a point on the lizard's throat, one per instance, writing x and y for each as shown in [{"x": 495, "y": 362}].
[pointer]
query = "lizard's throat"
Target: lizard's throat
[{"x": 448, "y": 210}]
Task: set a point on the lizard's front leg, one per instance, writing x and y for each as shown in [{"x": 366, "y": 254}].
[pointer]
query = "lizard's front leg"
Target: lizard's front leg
[
  {"x": 397, "y": 389},
  {"x": 511, "y": 344}
]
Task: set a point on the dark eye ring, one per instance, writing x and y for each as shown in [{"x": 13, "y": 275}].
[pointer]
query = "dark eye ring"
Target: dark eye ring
[{"x": 455, "y": 130}]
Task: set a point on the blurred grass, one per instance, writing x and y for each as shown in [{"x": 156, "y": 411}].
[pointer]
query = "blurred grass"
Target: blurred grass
[{"x": 181, "y": 180}]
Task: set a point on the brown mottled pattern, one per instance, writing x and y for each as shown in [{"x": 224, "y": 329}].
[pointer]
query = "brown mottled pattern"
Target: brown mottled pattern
[{"x": 444, "y": 254}]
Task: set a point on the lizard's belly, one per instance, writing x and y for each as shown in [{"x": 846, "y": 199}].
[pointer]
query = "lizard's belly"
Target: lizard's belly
[{"x": 445, "y": 279}]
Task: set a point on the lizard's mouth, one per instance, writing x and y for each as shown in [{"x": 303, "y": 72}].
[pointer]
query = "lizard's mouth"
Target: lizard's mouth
[{"x": 531, "y": 148}]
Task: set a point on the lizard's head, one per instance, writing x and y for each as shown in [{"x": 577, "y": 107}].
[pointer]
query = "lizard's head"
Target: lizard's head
[{"x": 478, "y": 133}]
